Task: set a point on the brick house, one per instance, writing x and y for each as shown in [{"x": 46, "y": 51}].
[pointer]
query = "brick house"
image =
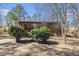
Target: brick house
[{"x": 55, "y": 27}]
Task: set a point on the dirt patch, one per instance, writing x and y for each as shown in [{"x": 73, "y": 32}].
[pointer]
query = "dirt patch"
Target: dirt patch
[{"x": 30, "y": 48}]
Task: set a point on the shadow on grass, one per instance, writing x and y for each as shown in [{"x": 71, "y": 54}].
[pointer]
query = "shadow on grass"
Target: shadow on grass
[
  {"x": 25, "y": 41},
  {"x": 49, "y": 43},
  {"x": 40, "y": 42},
  {"x": 7, "y": 43}
]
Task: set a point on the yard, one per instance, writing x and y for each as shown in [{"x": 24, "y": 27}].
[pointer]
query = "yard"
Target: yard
[
  {"x": 54, "y": 46},
  {"x": 50, "y": 31}
]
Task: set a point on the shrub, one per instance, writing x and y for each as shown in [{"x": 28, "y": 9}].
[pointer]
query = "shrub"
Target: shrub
[
  {"x": 40, "y": 34},
  {"x": 17, "y": 32},
  {"x": 29, "y": 34},
  {"x": 44, "y": 33},
  {"x": 34, "y": 33}
]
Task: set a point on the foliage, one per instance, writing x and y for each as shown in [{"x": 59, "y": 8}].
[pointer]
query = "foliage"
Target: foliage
[
  {"x": 44, "y": 33},
  {"x": 29, "y": 34},
  {"x": 20, "y": 12},
  {"x": 40, "y": 34},
  {"x": 35, "y": 33},
  {"x": 17, "y": 13},
  {"x": 12, "y": 17},
  {"x": 17, "y": 32}
]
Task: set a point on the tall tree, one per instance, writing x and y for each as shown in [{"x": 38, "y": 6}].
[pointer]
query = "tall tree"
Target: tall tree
[
  {"x": 28, "y": 18},
  {"x": 1, "y": 16},
  {"x": 35, "y": 17},
  {"x": 20, "y": 12},
  {"x": 63, "y": 8},
  {"x": 39, "y": 11},
  {"x": 17, "y": 13},
  {"x": 75, "y": 10},
  {"x": 59, "y": 11},
  {"x": 12, "y": 17}
]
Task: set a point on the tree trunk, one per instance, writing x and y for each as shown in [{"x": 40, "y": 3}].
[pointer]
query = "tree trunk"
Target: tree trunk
[
  {"x": 78, "y": 29},
  {"x": 64, "y": 37},
  {"x": 63, "y": 33},
  {"x": 17, "y": 40}
]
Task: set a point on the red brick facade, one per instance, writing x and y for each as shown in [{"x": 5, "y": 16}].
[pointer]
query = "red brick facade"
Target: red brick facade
[{"x": 55, "y": 27}]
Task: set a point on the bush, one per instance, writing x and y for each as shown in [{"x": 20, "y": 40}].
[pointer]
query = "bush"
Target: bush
[
  {"x": 40, "y": 34},
  {"x": 34, "y": 34},
  {"x": 29, "y": 34},
  {"x": 44, "y": 33},
  {"x": 17, "y": 32}
]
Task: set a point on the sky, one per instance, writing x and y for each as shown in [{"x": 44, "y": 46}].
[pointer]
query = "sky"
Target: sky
[{"x": 29, "y": 7}]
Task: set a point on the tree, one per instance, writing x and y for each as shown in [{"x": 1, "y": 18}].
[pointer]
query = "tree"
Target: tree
[
  {"x": 21, "y": 13},
  {"x": 27, "y": 18},
  {"x": 0, "y": 20},
  {"x": 39, "y": 11},
  {"x": 16, "y": 14},
  {"x": 62, "y": 11},
  {"x": 35, "y": 17},
  {"x": 75, "y": 10},
  {"x": 59, "y": 11},
  {"x": 1, "y": 16},
  {"x": 12, "y": 17}
]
